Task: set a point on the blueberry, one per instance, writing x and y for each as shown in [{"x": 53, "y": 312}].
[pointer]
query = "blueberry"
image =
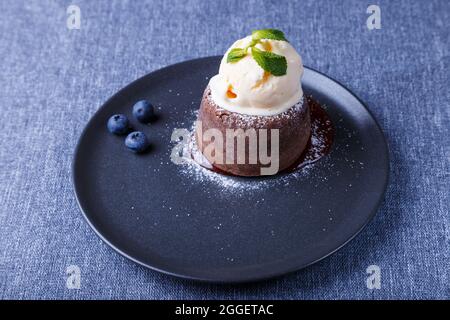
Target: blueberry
[
  {"x": 118, "y": 124},
  {"x": 136, "y": 141},
  {"x": 143, "y": 111}
]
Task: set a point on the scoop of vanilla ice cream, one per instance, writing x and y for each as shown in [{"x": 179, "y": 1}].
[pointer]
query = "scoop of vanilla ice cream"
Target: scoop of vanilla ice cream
[{"x": 244, "y": 87}]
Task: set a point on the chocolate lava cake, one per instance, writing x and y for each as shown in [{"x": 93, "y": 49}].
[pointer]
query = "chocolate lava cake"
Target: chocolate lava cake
[{"x": 294, "y": 133}]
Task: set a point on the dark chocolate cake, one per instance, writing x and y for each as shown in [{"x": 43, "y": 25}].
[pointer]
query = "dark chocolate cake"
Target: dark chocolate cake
[{"x": 294, "y": 132}]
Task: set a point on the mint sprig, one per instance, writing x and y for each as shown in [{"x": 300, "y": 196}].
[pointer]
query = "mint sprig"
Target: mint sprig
[
  {"x": 272, "y": 34},
  {"x": 236, "y": 54},
  {"x": 269, "y": 61}
]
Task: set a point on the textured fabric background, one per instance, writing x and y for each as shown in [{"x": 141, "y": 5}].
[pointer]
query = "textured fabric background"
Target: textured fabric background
[{"x": 53, "y": 79}]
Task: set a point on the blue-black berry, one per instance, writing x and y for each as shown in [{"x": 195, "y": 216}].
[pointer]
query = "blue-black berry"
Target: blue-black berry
[
  {"x": 143, "y": 111},
  {"x": 118, "y": 124},
  {"x": 136, "y": 141}
]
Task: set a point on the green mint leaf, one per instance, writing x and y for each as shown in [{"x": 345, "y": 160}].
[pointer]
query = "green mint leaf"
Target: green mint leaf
[
  {"x": 270, "y": 62},
  {"x": 272, "y": 34},
  {"x": 236, "y": 54}
]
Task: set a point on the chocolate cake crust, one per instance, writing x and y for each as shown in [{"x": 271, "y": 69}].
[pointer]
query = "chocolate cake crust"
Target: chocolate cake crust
[{"x": 294, "y": 132}]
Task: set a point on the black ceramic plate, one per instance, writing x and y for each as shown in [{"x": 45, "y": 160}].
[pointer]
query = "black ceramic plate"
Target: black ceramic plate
[{"x": 174, "y": 219}]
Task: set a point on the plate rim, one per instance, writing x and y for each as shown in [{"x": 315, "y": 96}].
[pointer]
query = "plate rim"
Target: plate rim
[{"x": 267, "y": 276}]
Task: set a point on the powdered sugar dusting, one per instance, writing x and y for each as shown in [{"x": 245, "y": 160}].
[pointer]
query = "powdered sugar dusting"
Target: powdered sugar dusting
[{"x": 196, "y": 166}]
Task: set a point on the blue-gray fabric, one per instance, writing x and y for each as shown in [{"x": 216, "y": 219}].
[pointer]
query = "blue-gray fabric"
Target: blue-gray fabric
[{"x": 53, "y": 79}]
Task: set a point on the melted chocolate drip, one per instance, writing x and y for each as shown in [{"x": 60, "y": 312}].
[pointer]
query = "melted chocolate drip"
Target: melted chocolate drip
[{"x": 321, "y": 139}]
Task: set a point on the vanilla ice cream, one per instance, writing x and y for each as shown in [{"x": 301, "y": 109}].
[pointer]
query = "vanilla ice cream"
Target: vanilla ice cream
[{"x": 244, "y": 87}]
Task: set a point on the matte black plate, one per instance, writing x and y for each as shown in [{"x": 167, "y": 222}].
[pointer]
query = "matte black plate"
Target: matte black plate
[{"x": 165, "y": 217}]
